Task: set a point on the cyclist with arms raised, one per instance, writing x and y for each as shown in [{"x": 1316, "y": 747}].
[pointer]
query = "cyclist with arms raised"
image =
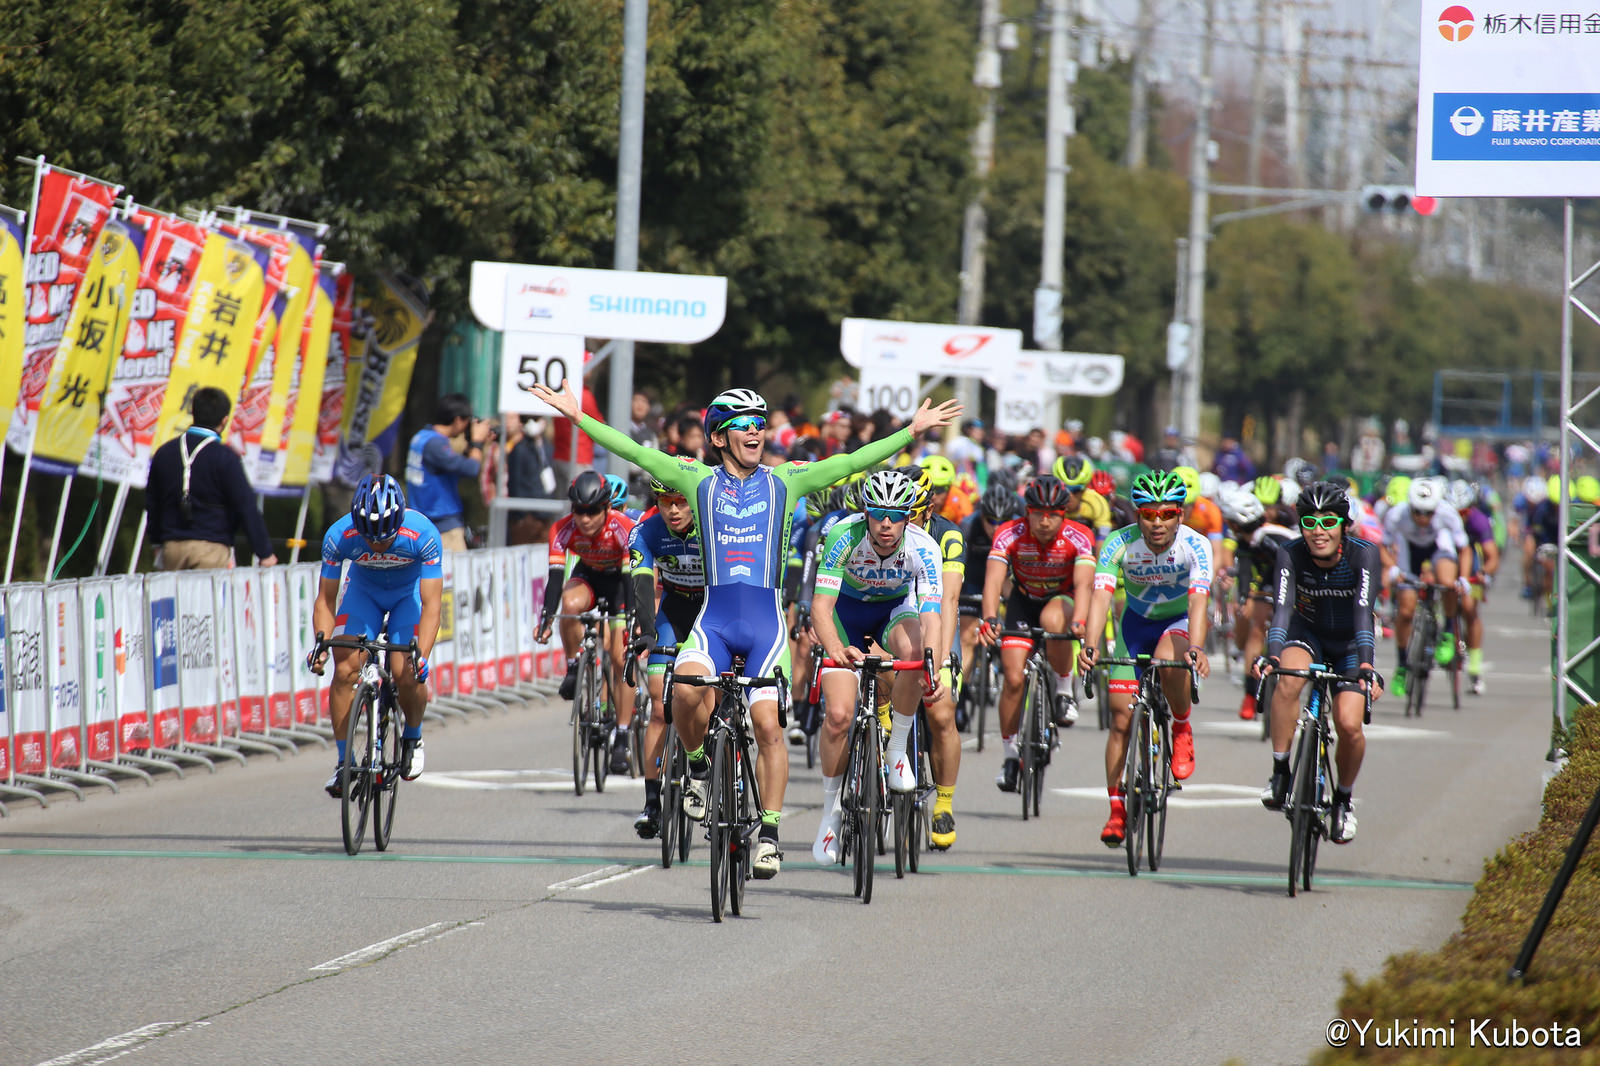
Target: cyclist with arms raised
[
  {"x": 1324, "y": 589},
  {"x": 1050, "y": 560},
  {"x": 1165, "y": 569},
  {"x": 743, "y": 511},
  {"x": 395, "y": 591}
]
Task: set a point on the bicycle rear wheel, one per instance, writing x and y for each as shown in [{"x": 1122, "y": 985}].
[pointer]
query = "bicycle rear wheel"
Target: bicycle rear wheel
[
  {"x": 981, "y": 695},
  {"x": 738, "y": 862},
  {"x": 1318, "y": 827},
  {"x": 356, "y": 773},
  {"x": 386, "y": 788},
  {"x": 1302, "y": 797},
  {"x": 1027, "y": 752},
  {"x": 1160, "y": 792},
  {"x": 1133, "y": 784},
  {"x": 603, "y": 719},
  {"x": 672, "y": 817},
  {"x": 719, "y": 816}
]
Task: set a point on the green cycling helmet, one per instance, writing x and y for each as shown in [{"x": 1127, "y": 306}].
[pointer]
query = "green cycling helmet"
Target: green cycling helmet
[
  {"x": 1157, "y": 487},
  {"x": 1268, "y": 489}
]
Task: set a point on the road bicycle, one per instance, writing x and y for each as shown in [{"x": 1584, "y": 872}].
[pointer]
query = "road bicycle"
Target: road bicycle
[
  {"x": 1310, "y": 804},
  {"x": 1036, "y": 735},
  {"x": 675, "y": 834},
  {"x": 1147, "y": 781},
  {"x": 864, "y": 795},
  {"x": 369, "y": 777},
  {"x": 593, "y": 719},
  {"x": 982, "y": 689},
  {"x": 1426, "y": 632},
  {"x": 733, "y": 798},
  {"x": 808, "y": 712}
]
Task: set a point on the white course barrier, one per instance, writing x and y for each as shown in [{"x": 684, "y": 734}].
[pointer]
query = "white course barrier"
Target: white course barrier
[{"x": 118, "y": 676}]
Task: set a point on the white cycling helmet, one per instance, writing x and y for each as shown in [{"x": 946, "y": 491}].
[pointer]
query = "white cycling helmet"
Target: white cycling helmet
[
  {"x": 1291, "y": 492},
  {"x": 1461, "y": 494},
  {"x": 1241, "y": 508},
  {"x": 890, "y": 489},
  {"x": 1424, "y": 495},
  {"x": 1210, "y": 485},
  {"x": 1535, "y": 489}
]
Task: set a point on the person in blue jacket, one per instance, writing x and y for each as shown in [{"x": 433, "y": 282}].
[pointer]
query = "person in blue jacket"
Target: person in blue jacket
[{"x": 434, "y": 469}]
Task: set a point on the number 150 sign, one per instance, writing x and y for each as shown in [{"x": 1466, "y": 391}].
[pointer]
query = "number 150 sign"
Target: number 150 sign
[{"x": 529, "y": 359}]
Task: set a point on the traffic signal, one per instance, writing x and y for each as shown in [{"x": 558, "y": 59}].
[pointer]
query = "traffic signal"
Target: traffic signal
[{"x": 1395, "y": 200}]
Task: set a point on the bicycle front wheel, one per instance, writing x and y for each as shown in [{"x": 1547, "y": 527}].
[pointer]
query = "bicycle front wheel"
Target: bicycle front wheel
[
  {"x": 1133, "y": 787},
  {"x": 904, "y": 805},
  {"x": 1027, "y": 750},
  {"x": 1302, "y": 802},
  {"x": 386, "y": 784},
  {"x": 981, "y": 695},
  {"x": 719, "y": 816},
  {"x": 580, "y": 725},
  {"x": 672, "y": 816},
  {"x": 356, "y": 773},
  {"x": 871, "y": 799},
  {"x": 1160, "y": 792},
  {"x": 1319, "y": 813},
  {"x": 737, "y": 862},
  {"x": 601, "y": 722}
]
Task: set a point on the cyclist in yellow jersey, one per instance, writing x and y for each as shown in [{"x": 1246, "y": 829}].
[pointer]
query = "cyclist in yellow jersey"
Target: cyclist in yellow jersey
[{"x": 1084, "y": 505}]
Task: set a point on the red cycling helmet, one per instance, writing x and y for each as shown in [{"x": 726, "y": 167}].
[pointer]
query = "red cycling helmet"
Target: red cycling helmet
[{"x": 1103, "y": 483}]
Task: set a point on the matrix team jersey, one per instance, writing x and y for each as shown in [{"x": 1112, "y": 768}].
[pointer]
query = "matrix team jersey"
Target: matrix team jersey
[
  {"x": 606, "y": 550},
  {"x": 676, "y": 560},
  {"x": 416, "y": 554},
  {"x": 1333, "y": 603},
  {"x": 852, "y": 568},
  {"x": 1445, "y": 533},
  {"x": 1157, "y": 585},
  {"x": 744, "y": 523},
  {"x": 1040, "y": 571}
]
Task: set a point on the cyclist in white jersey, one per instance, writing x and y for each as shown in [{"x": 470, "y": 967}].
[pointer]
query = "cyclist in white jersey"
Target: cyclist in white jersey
[
  {"x": 879, "y": 582},
  {"x": 1420, "y": 533}
]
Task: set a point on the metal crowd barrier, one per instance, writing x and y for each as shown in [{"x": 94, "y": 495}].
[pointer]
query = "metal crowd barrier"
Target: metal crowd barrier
[{"x": 120, "y": 676}]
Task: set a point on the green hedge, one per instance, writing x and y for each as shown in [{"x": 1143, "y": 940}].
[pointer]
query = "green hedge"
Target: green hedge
[{"x": 1466, "y": 979}]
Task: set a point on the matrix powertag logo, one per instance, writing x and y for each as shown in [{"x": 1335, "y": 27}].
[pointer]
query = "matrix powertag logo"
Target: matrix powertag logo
[{"x": 1456, "y": 23}]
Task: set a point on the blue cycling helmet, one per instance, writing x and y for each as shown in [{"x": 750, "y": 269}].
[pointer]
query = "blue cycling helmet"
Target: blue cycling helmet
[
  {"x": 378, "y": 507},
  {"x": 619, "y": 491}
]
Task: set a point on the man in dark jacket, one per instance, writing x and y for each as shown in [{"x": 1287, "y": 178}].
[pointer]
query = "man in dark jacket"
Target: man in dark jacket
[{"x": 198, "y": 497}]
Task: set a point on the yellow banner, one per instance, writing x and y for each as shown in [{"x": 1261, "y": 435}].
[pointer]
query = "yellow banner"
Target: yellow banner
[
  {"x": 299, "y": 279},
  {"x": 214, "y": 344},
  {"x": 313, "y": 369},
  {"x": 97, "y": 329},
  {"x": 13, "y": 316}
]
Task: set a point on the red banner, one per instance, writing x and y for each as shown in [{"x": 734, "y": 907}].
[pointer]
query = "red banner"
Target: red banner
[{"x": 335, "y": 381}]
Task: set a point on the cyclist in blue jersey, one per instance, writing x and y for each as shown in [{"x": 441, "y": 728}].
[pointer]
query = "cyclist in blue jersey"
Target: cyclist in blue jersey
[
  {"x": 743, "y": 511},
  {"x": 663, "y": 548},
  {"x": 395, "y": 590}
]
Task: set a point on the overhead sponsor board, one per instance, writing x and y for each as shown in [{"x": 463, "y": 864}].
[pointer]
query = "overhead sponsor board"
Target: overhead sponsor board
[
  {"x": 1059, "y": 373},
  {"x": 1508, "y": 100},
  {"x": 621, "y": 304},
  {"x": 927, "y": 348}
]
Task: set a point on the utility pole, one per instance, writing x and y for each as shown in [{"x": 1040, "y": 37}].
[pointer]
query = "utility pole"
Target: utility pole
[
  {"x": 1058, "y": 127},
  {"x": 1258, "y": 96},
  {"x": 1294, "y": 74},
  {"x": 1199, "y": 233},
  {"x": 1139, "y": 91},
  {"x": 630, "y": 165},
  {"x": 974, "y": 229}
]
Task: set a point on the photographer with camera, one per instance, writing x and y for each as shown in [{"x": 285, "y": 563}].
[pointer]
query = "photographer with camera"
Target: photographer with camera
[{"x": 433, "y": 466}]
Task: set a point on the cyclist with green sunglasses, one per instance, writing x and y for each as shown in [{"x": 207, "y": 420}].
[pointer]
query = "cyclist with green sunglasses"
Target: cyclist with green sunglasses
[{"x": 1324, "y": 589}]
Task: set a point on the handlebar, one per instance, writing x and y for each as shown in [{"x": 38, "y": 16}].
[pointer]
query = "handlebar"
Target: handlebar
[
  {"x": 874, "y": 663},
  {"x": 729, "y": 682},
  {"x": 1147, "y": 662},
  {"x": 630, "y": 670},
  {"x": 1319, "y": 672}
]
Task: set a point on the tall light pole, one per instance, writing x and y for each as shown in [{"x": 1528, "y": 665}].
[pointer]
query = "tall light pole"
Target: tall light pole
[
  {"x": 1199, "y": 233},
  {"x": 1058, "y": 127},
  {"x": 630, "y": 164},
  {"x": 974, "y": 229}
]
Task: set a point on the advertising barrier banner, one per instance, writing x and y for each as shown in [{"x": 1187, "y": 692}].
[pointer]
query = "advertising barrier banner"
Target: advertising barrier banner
[
  {"x": 64, "y": 674},
  {"x": 522, "y": 596},
  {"x": 504, "y": 605},
  {"x": 166, "y": 721},
  {"x": 197, "y": 656},
  {"x": 227, "y": 616},
  {"x": 250, "y": 644},
  {"x": 5, "y": 699},
  {"x": 443, "y": 680},
  {"x": 483, "y": 616},
  {"x": 303, "y": 579},
  {"x": 130, "y": 657},
  {"x": 280, "y": 672},
  {"x": 463, "y": 582},
  {"x": 98, "y": 612},
  {"x": 29, "y": 696}
]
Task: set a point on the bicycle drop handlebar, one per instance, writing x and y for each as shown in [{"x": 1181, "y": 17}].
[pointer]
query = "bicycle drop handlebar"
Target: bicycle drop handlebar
[
  {"x": 379, "y": 647},
  {"x": 873, "y": 663},
  {"x": 1318, "y": 672},
  {"x": 1161, "y": 664}
]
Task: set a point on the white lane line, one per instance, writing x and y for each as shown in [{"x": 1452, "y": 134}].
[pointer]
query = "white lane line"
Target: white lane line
[
  {"x": 383, "y": 947},
  {"x": 117, "y": 1046},
  {"x": 1375, "y": 730},
  {"x": 583, "y": 879},
  {"x": 634, "y": 872},
  {"x": 478, "y": 782},
  {"x": 1198, "y": 795}
]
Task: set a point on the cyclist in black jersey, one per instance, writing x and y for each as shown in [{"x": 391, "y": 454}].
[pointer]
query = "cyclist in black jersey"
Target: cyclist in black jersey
[
  {"x": 1323, "y": 595},
  {"x": 997, "y": 506}
]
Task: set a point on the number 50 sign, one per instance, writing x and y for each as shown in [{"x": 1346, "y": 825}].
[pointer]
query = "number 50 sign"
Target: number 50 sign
[{"x": 529, "y": 359}]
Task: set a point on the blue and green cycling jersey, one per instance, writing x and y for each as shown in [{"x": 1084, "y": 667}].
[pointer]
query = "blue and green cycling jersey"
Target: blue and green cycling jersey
[{"x": 744, "y": 523}]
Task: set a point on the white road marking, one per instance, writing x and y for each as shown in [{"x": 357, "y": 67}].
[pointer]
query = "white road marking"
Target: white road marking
[
  {"x": 605, "y": 872},
  {"x": 1198, "y": 795},
  {"x": 117, "y": 1046},
  {"x": 631, "y": 872},
  {"x": 1375, "y": 730},
  {"x": 1520, "y": 631},
  {"x": 383, "y": 947},
  {"x": 517, "y": 780}
]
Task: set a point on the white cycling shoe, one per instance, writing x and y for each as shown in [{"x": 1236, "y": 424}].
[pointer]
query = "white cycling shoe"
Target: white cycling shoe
[
  {"x": 826, "y": 849},
  {"x": 902, "y": 771}
]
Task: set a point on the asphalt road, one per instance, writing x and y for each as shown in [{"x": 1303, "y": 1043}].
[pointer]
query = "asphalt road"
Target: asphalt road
[{"x": 217, "y": 918}]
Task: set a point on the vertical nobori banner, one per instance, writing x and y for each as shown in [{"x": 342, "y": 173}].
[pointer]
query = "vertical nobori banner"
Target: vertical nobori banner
[
  {"x": 377, "y": 383},
  {"x": 97, "y": 328},
  {"x": 166, "y": 723},
  {"x": 227, "y": 615},
  {"x": 280, "y": 648},
  {"x": 214, "y": 344},
  {"x": 335, "y": 384},
  {"x": 98, "y": 612},
  {"x": 5, "y": 703},
  {"x": 130, "y": 656},
  {"x": 28, "y": 696},
  {"x": 167, "y": 274},
  {"x": 250, "y": 410},
  {"x": 303, "y": 424},
  {"x": 13, "y": 311},
  {"x": 64, "y": 226}
]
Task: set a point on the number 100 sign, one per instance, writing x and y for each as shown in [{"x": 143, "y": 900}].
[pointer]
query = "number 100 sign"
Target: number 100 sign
[{"x": 529, "y": 359}]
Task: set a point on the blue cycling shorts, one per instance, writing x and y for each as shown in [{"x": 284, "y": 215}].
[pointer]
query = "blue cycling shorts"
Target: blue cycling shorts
[
  {"x": 363, "y": 611},
  {"x": 862, "y": 621},
  {"x": 745, "y": 620}
]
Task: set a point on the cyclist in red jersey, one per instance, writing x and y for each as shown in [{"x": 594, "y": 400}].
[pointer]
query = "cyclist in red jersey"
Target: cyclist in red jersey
[
  {"x": 1051, "y": 562},
  {"x": 587, "y": 550}
]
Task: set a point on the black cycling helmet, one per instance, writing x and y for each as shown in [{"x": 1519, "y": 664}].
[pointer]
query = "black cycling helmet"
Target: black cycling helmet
[
  {"x": 588, "y": 490},
  {"x": 1000, "y": 504},
  {"x": 1324, "y": 497},
  {"x": 1047, "y": 493}
]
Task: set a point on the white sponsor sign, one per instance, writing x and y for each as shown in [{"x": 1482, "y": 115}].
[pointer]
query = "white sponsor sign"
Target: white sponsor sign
[
  {"x": 303, "y": 583},
  {"x": 27, "y": 696},
  {"x": 529, "y": 359},
  {"x": 65, "y": 674},
  {"x": 224, "y": 595},
  {"x": 197, "y": 656},
  {"x": 623, "y": 304},
  {"x": 161, "y": 594},
  {"x": 890, "y": 388},
  {"x": 132, "y": 661},
  {"x": 1060, "y": 373},
  {"x": 1508, "y": 104},
  {"x": 250, "y": 648},
  {"x": 927, "y": 348},
  {"x": 99, "y": 669}
]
